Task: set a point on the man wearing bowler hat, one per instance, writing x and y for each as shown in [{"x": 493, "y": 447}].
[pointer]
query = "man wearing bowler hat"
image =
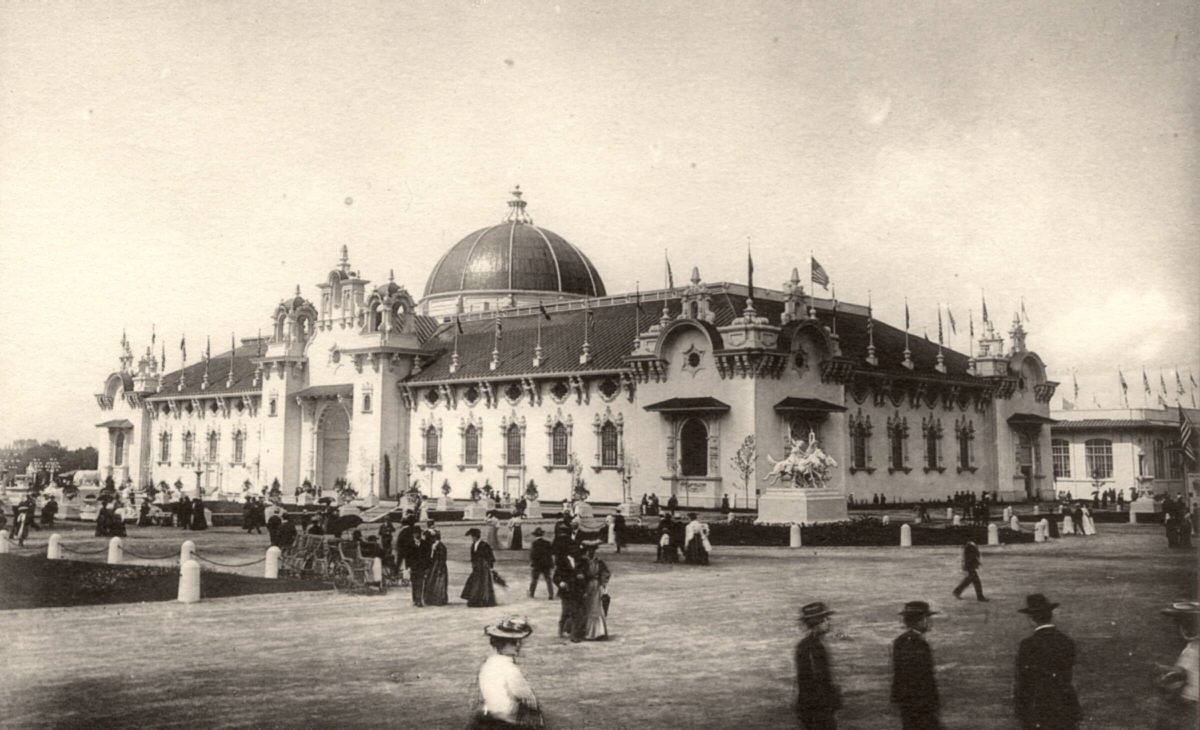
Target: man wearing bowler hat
[
  {"x": 541, "y": 562},
  {"x": 914, "y": 688},
  {"x": 817, "y": 697},
  {"x": 1043, "y": 692}
]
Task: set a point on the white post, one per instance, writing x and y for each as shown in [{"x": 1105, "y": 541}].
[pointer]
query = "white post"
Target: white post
[
  {"x": 1007, "y": 514},
  {"x": 1014, "y": 524},
  {"x": 114, "y": 551},
  {"x": 957, "y": 520},
  {"x": 794, "y": 536},
  {"x": 949, "y": 513},
  {"x": 185, "y": 552},
  {"x": 189, "y": 582},
  {"x": 1037, "y": 509},
  {"x": 1039, "y": 534},
  {"x": 271, "y": 567},
  {"x": 377, "y": 570},
  {"x": 54, "y": 547},
  {"x": 905, "y": 535},
  {"x": 1132, "y": 515},
  {"x": 993, "y": 534},
  {"x": 3, "y": 542}
]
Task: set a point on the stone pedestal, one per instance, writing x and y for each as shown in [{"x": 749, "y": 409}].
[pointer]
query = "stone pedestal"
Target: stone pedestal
[
  {"x": 583, "y": 510},
  {"x": 443, "y": 503},
  {"x": 477, "y": 510},
  {"x": 782, "y": 506},
  {"x": 533, "y": 509},
  {"x": 1146, "y": 505}
]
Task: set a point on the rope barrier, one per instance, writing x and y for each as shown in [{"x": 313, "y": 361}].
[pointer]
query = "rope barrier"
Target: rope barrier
[
  {"x": 229, "y": 565},
  {"x": 70, "y": 549},
  {"x": 171, "y": 555}
]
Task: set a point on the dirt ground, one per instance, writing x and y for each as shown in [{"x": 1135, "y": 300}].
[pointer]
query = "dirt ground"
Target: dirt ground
[{"x": 691, "y": 647}]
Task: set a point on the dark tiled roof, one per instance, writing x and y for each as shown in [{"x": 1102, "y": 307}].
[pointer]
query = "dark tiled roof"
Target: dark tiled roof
[
  {"x": 218, "y": 372},
  {"x": 116, "y": 423},
  {"x": 612, "y": 335},
  {"x": 344, "y": 390}
]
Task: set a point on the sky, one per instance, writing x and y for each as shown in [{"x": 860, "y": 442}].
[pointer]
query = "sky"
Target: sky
[{"x": 184, "y": 166}]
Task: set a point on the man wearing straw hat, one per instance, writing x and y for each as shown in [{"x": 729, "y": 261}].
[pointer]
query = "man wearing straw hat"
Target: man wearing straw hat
[
  {"x": 1043, "y": 692},
  {"x": 818, "y": 698},
  {"x": 1179, "y": 684},
  {"x": 914, "y": 688},
  {"x": 505, "y": 698}
]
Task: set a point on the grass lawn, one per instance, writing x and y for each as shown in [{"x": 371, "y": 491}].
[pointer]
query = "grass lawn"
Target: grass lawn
[{"x": 691, "y": 647}]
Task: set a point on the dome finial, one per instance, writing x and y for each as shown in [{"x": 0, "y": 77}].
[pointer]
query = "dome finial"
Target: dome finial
[
  {"x": 516, "y": 208},
  {"x": 695, "y": 275},
  {"x": 297, "y": 290},
  {"x": 391, "y": 275},
  {"x": 344, "y": 263}
]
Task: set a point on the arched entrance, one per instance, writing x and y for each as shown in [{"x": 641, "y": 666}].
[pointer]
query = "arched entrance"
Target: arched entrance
[
  {"x": 693, "y": 448},
  {"x": 333, "y": 437}
]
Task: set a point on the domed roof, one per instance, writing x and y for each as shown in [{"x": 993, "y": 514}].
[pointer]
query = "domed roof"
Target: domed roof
[{"x": 515, "y": 255}]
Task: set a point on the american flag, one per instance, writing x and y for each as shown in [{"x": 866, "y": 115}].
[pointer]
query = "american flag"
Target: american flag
[
  {"x": 818, "y": 275},
  {"x": 1185, "y": 436}
]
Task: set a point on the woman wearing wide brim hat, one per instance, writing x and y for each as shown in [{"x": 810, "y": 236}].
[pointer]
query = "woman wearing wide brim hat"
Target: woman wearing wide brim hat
[
  {"x": 1179, "y": 683},
  {"x": 505, "y": 698},
  {"x": 479, "y": 592},
  {"x": 594, "y": 575}
]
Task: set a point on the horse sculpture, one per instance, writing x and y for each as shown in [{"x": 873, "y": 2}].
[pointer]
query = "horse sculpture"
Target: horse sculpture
[{"x": 805, "y": 467}]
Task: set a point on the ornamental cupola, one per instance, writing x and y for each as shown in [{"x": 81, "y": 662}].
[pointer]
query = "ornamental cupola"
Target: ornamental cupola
[{"x": 697, "y": 300}]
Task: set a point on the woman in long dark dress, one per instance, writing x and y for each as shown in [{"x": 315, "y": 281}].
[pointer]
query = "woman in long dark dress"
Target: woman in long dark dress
[
  {"x": 183, "y": 512},
  {"x": 438, "y": 578},
  {"x": 144, "y": 514},
  {"x": 594, "y": 575},
  {"x": 198, "y": 520},
  {"x": 479, "y": 591},
  {"x": 514, "y": 528}
]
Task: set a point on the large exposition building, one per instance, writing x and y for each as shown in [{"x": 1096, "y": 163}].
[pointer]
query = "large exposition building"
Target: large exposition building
[{"x": 516, "y": 358}]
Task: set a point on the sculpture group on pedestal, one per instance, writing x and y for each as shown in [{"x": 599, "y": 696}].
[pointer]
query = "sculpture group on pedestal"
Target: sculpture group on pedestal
[{"x": 806, "y": 466}]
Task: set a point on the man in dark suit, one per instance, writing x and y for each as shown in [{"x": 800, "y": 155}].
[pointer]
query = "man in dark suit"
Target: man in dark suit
[
  {"x": 1077, "y": 519},
  {"x": 420, "y": 558},
  {"x": 541, "y": 562},
  {"x": 817, "y": 697},
  {"x": 970, "y": 566},
  {"x": 914, "y": 688},
  {"x": 1043, "y": 693}
]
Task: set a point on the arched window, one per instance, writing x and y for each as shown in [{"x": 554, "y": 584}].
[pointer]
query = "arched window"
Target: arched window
[
  {"x": 431, "y": 446},
  {"x": 189, "y": 447},
  {"x": 1098, "y": 457},
  {"x": 933, "y": 443},
  {"x": 1160, "y": 459},
  {"x": 513, "y": 451},
  {"x": 608, "y": 444},
  {"x": 1060, "y": 454},
  {"x": 693, "y": 448},
  {"x": 898, "y": 443},
  {"x": 239, "y": 447},
  {"x": 214, "y": 445},
  {"x": 964, "y": 431},
  {"x": 119, "y": 449},
  {"x": 471, "y": 446},
  {"x": 559, "y": 445},
  {"x": 164, "y": 446},
  {"x": 860, "y": 441}
]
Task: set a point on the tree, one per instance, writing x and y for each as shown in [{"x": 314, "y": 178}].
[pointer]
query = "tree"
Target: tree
[{"x": 743, "y": 462}]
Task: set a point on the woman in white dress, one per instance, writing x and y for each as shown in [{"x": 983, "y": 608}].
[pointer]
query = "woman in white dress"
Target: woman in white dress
[
  {"x": 1089, "y": 526},
  {"x": 505, "y": 698}
]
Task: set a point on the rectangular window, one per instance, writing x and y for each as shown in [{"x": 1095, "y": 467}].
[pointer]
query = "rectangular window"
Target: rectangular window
[
  {"x": 1060, "y": 452},
  {"x": 608, "y": 445},
  {"x": 559, "y": 443},
  {"x": 1177, "y": 463},
  {"x": 1160, "y": 461},
  {"x": 860, "y": 449},
  {"x": 1098, "y": 456}
]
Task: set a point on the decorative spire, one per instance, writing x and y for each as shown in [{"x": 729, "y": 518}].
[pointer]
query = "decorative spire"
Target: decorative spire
[
  {"x": 586, "y": 357},
  {"x": 695, "y": 276},
  {"x": 343, "y": 264},
  {"x": 496, "y": 345},
  {"x": 871, "y": 359},
  {"x": 516, "y": 208},
  {"x": 297, "y": 290},
  {"x": 232, "y": 348},
  {"x": 391, "y": 276}
]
